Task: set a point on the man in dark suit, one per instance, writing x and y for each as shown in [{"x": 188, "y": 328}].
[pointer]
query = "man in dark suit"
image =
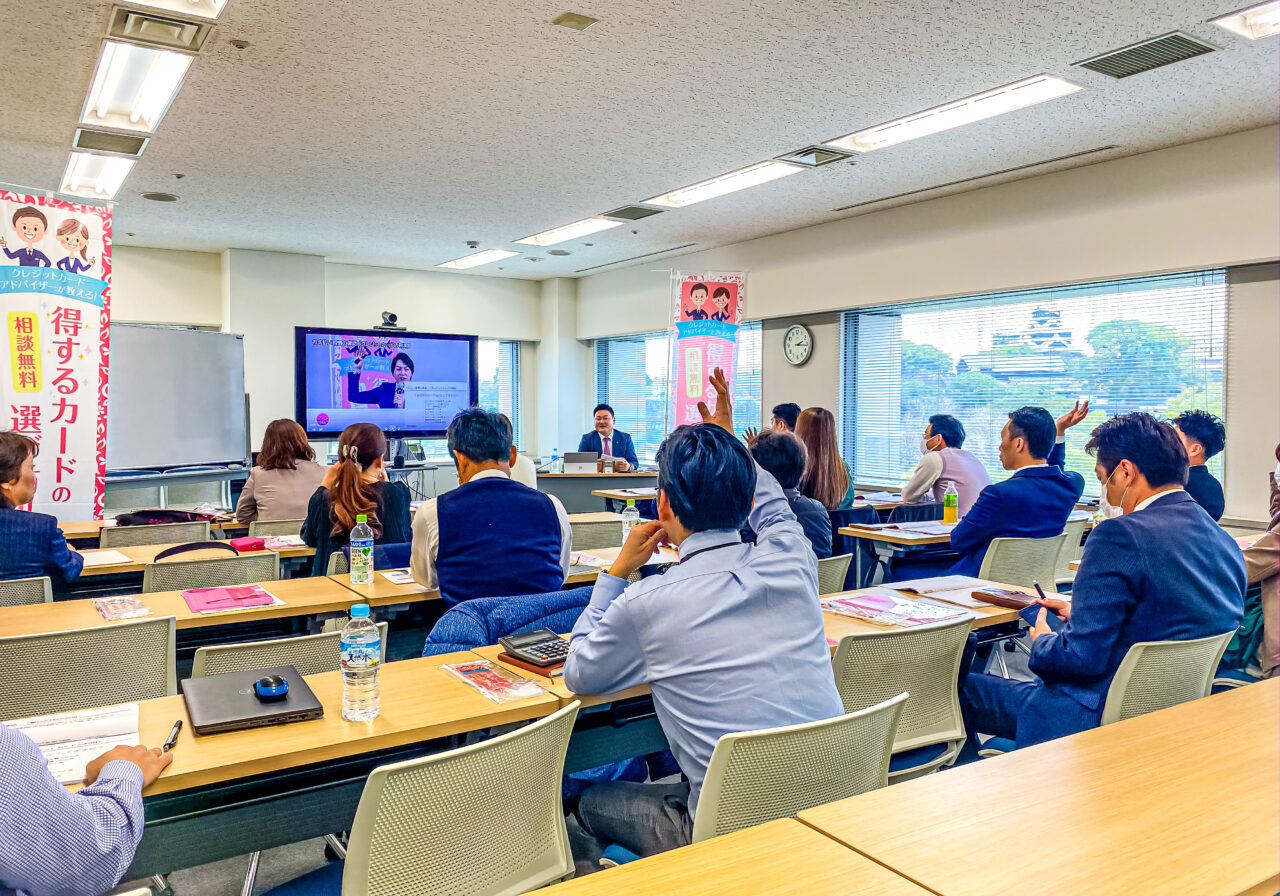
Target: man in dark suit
[
  {"x": 1032, "y": 503},
  {"x": 1161, "y": 571},
  {"x": 1203, "y": 435},
  {"x": 606, "y": 441}
]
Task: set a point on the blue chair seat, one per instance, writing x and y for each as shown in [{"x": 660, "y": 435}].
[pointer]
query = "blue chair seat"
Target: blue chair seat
[
  {"x": 1000, "y": 744},
  {"x": 326, "y": 881},
  {"x": 908, "y": 759}
]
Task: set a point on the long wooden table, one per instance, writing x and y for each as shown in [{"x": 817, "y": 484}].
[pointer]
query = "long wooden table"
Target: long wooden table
[
  {"x": 76, "y": 530},
  {"x": 1186, "y": 800},
  {"x": 781, "y": 858},
  {"x": 140, "y": 555}
]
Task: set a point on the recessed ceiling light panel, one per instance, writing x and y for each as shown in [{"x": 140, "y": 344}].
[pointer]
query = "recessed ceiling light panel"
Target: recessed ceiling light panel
[
  {"x": 93, "y": 176},
  {"x": 752, "y": 175},
  {"x": 109, "y": 142},
  {"x": 568, "y": 232},
  {"x": 139, "y": 27},
  {"x": 478, "y": 258},
  {"x": 816, "y": 156},
  {"x": 987, "y": 104},
  {"x": 1255, "y": 23},
  {"x": 133, "y": 87}
]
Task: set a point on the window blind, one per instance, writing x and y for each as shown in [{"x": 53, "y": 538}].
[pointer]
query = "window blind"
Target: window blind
[
  {"x": 498, "y": 364},
  {"x": 1152, "y": 344},
  {"x": 631, "y": 377}
]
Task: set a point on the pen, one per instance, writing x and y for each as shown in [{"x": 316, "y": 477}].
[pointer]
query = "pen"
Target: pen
[
  {"x": 173, "y": 736},
  {"x": 1039, "y": 590}
]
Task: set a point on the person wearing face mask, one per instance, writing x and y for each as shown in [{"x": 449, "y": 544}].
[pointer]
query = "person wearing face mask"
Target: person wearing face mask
[
  {"x": 943, "y": 460},
  {"x": 1203, "y": 435},
  {"x": 31, "y": 544},
  {"x": 1161, "y": 571},
  {"x": 1032, "y": 503}
]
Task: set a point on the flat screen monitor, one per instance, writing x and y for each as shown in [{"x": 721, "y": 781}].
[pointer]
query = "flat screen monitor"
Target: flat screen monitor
[{"x": 408, "y": 384}]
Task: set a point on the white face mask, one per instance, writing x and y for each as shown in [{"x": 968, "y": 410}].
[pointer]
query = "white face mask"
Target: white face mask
[
  {"x": 924, "y": 444},
  {"x": 1105, "y": 507}
]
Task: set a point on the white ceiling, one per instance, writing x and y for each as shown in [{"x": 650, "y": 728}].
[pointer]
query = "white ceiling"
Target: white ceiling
[{"x": 389, "y": 132}]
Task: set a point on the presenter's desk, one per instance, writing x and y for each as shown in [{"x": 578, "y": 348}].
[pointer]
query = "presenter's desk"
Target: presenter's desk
[
  {"x": 1185, "y": 800},
  {"x": 576, "y": 490},
  {"x": 781, "y": 858}
]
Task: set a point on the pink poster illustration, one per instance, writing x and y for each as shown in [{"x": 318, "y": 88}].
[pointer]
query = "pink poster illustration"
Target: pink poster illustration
[{"x": 707, "y": 312}]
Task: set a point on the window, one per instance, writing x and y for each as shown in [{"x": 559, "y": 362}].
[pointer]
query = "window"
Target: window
[
  {"x": 1146, "y": 344},
  {"x": 631, "y": 376},
  {"x": 498, "y": 364}
]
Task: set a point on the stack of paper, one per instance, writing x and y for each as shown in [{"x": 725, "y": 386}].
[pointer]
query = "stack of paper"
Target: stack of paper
[
  {"x": 279, "y": 542},
  {"x": 952, "y": 589},
  {"x": 884, "y": 607},
  {"x": 104, "y": 558},
  {"x": 650, "y": 492},
  {"x": 925, "y": 527},
  {"x": 71, "y": 740}
]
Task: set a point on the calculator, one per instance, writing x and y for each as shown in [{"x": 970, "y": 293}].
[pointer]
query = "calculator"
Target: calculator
[{"x": 541, "y": 647}]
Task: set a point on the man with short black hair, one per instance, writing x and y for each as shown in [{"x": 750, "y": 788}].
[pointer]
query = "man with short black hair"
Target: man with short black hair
[
  {"x": 729, "y": 640},
  {"x": 943, "y": 461},
  {"x": 490, "y": 536},
  {"x": 785, "y": 416},
  {"x": 1032, "y": 503},
  {"x": 781, "y": 454},
  {"x": 1160, "y": 571},
  {"x": 1203, "y": 435},
  {"x": 606, "y": 441}
]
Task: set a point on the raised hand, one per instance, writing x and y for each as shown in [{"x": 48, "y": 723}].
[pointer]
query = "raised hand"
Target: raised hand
[
  {"x": 749, "y": 434},
  {"x": 1072, "y": 417},
  {"x": 723, "y": 416}
]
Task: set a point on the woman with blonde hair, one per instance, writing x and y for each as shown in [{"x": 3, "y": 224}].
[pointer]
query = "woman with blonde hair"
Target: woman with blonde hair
[
  {"x": 357, "y": 484},
  {"x": 826, "y": 477},
  {"x": 286, "y": 474}
]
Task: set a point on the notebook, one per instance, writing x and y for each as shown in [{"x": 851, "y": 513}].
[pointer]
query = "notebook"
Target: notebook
[{"x": 212, "y": 600}]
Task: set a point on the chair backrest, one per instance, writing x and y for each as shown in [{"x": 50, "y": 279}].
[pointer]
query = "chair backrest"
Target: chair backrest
[
  {"x": 589, "y": 536},
  {"x": 759, "y": 776},
  {"x": 276, "y": 527},
  {"x": 871, "y": 667},
  {"x": 1022, "y": 561},
  {"x": 118, "y": 663},
  {"x": 179, "y": 575},
  {"x": 339, "y": 564},
  {"x": 1072, "y": 547},
  {"x": 915, "y": 513},
  {"x": 309, "y": 654},
  {"x": 484, "y": 819},
  {"x": 831, "y": 573},
  {"x": 1159, "y": 674},
  {"x": 847, "y": 544},
  {"x": 160, "y": 533},
  {"x": 18, "y": 592}
]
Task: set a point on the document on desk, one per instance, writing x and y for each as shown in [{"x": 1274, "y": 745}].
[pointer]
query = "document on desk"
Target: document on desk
[
  {"x": 401, "y": 576},
  {"x": 651, "y": 492},
  {"x": 582, "y": 558},
  {"x": 280, "y": 542},
  {"x": 71, "y": 740},
  {"x": 951, "y": 589},
  {"x": 104, "y": 558},
  {"x": 884, "y": 607},
  {"x": 881, "y": 498},
  {"x": 925, "y": 527},
  {"x": 220, "y": 600}
]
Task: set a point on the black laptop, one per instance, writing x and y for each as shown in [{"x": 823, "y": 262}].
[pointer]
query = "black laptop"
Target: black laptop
[{"x": 228, "y": 702}]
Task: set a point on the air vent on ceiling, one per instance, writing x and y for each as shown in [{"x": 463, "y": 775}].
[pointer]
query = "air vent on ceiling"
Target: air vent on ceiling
[
  {"x": 632, "y": 213},
  {"x": 157, "y": 31},
  {"x": 967, "y": 180},
  {"x": 1147, "y": 55},
  {"x": 815, "y": 156},
  {"x": 635, "y": 258},
  {"x": 117, "y": 144}
]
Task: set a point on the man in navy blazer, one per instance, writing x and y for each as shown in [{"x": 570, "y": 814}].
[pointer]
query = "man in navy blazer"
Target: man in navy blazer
[
  {"x": 1161, "y": 571},
  {"x": 604, "y": 440},
  {"x": 1032, "y": 503}
]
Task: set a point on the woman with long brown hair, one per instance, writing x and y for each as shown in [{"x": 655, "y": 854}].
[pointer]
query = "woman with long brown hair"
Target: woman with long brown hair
[
  {"x": 826, "y": 477},
  {"x": 31, "y": 544},
  {"x": 357, "y": 484},
  {"x": 281, "y": 483}
]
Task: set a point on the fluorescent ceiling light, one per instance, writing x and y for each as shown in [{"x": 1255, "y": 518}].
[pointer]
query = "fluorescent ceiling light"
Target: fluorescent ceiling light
[
  {"x": 479, "y": 258},
  {"x": 988, "y": 104},
  {"x": 1255, "y": 22},
  {"x": 207, "y": 9},
  {"x": 572, "y": 231},
  {"x": 133, "y": 86},
  {"x": 93, "y": 176},
  {"x": 760, "y": 173}
]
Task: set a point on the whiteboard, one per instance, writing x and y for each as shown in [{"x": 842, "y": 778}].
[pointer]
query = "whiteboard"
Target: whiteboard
[{"x": 175, "y": 397}]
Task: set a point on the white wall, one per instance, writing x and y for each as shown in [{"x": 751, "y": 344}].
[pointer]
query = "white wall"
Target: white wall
[
  {"x": 1252, "y": 410},
  {"x": 165, "y": 286},
  {"x": 564, "y": 370},
  {"x": 814, "y": 384}
]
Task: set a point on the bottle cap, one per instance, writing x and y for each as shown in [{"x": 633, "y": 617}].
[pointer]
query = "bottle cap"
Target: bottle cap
[
  {"x": 362, "y": 518},
  {"x": 631, "y": 502},
  {"x": 360, "y": 611}
]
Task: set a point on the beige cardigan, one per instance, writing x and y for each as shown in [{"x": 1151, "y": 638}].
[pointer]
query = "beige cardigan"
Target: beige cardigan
[{"x": 279, "y": 494}]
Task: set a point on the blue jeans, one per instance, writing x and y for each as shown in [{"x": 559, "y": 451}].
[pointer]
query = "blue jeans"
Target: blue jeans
[{"x": 645, "y": 819}]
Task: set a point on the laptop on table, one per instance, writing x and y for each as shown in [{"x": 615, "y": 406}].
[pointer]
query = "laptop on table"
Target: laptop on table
[{"x": 217, "y": 703}]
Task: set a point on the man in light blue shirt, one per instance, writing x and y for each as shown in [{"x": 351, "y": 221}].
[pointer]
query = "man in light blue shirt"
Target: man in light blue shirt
[
  {"x": 729, "y": 640},
  {"x": 58, "y": 843}
]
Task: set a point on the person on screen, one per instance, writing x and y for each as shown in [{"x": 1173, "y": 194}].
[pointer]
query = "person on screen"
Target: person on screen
[
  {"x": 286, "y": 475},
  {"x": 384, "y": 395},
  {"x": 356, "y": 484},
  {"x": 606, "y": 441},
  {"x": 31, "y": 544}
]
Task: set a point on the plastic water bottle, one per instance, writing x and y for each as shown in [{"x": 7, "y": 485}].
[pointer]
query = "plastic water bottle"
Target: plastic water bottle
[
  {"x": 950, "y": 504},
  {"x": 555, "y": 460},
  {"x": 630, "y": 518},
  {"x": 362, "y": 552},
  {"x": 361, "y": 656}
]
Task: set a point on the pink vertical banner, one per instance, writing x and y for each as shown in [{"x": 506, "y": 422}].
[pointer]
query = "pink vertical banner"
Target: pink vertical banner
[
  {"x": 55, "y": 287},
  {"x": 707, "y": 311}
]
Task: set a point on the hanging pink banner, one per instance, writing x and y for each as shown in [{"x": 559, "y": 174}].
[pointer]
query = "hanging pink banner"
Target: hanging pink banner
[{"x": 707, "y": 313}]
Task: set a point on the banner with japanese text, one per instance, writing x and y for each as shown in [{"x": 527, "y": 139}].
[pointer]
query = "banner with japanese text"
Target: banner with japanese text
[
  {"x": 707, "y": 311},
  {"x": 55, "y": 291}
]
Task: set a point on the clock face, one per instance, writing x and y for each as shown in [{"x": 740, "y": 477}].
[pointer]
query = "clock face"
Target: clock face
[{"x": 797, "y": 344}]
